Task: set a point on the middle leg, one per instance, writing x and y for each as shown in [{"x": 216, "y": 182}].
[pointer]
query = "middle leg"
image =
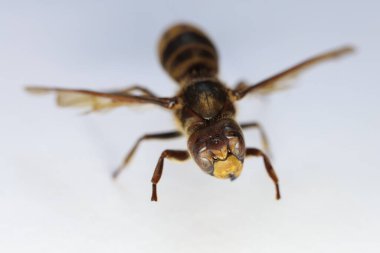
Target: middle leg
[
  {"x": 142, "y": 90},
  {"x": 128, "y": 157},
  {"x": 263, "y": 136}
]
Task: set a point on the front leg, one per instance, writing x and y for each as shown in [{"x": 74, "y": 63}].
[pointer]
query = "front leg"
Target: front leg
[
  {"x": 263, "y": 135},
  {"x": 179, "y": 155},
  {"x": 268, "y": 167}
]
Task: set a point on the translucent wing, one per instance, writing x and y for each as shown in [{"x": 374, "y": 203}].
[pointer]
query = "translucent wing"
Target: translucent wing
[
  {"x": 283, "y": 79},
  {"x": 97, "y": 101}
]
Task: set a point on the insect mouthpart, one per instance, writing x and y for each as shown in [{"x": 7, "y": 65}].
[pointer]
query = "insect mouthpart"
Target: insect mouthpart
[{"x": 229, "y": 168}]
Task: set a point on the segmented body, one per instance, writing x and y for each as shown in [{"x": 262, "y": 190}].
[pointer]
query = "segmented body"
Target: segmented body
[{"x": 191, "y": 59}]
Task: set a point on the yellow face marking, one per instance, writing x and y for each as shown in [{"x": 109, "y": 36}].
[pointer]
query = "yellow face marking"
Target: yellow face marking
[{"x": 230, "y": 166}]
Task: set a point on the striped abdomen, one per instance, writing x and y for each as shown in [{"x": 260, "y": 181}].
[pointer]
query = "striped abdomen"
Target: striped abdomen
[{"x": 185, "y": 50}]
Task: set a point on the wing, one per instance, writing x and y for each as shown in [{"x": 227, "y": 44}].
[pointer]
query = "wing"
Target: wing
[
  {"x": 97, "y": 101},
  {"x": 281, "y": 80}
]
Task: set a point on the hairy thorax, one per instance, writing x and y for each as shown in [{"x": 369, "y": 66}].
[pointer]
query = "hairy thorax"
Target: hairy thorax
[{"x": 204, "y": 102}]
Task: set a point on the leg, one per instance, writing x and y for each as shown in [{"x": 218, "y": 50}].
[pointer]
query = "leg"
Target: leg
[
  {"x": 143, "y": 90},
  {"x": 263, "y": 136},
  {"x": 275, "y": 82},
  {"x": 268, "y": 167},
  {"x": 167, "y": 135},
  {"x": 179, "y": 155}
]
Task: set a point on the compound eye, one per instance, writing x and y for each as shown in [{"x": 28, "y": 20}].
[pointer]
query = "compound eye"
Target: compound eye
[
  {"x": 203, "y": 158},
  {"x": 229, "y": 132},
  {"x": 205, "y": 163},
  {"x": 202, "y": 149},
  {"x": 236, "y": 146}
]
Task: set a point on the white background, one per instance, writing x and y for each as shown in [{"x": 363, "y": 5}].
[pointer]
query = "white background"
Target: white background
[{"x": 56, "y": 192}]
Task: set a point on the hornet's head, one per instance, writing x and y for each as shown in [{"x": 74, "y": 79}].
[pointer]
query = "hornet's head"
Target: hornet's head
[{"x": 219, "y": 149}]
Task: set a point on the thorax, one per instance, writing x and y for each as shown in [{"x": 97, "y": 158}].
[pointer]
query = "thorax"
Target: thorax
[{"x": 204, "y": 101}]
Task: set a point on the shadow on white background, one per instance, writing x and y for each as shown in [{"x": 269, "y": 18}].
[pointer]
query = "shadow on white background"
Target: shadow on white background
[{"x": 56, "y": 191}]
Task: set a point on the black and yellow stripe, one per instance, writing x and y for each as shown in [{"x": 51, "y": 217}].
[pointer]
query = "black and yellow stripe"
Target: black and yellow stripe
[{"x": 185, "y": 50}]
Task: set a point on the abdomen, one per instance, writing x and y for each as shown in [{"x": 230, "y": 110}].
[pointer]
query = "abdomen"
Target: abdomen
[{"x": 185, "y": 50}]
